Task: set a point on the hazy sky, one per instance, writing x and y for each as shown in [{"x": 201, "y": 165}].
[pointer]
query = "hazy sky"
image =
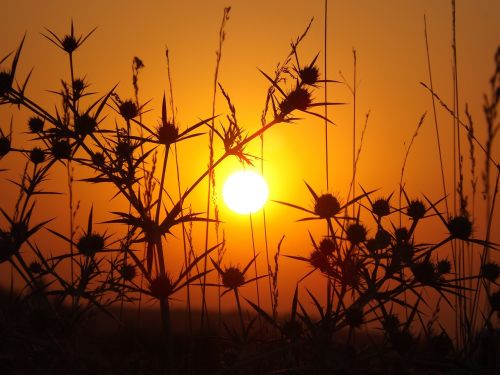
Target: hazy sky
[{"x": 388, "y": 37}]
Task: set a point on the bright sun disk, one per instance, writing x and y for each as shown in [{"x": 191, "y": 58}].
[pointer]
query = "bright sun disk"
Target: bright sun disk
[{"x": 245, "y": 192}]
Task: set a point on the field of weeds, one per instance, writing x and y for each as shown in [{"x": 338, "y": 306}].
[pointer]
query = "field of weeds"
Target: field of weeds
[{"x": 390, "y": 298}]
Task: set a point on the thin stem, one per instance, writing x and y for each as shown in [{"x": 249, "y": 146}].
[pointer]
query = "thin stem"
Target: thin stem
[
  {"x": 255, "y": 262},
  {"x": 325, "y": 90},
  {"x": 240, "y": 314},
  {"x": 211, "y": 182}
]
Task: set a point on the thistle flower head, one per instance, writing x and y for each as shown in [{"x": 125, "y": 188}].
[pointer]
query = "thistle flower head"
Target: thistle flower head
[
  {"x": 35, "y": 124},
  {"x": 69, "y": 43},
  {"x": 128, "y": 109},
  {"x": 443, "y": 267},
  {"x": 4, "y": 145},
  {"x": 424, "y": 272},
  {"x": 233, "y": 278},
  {"x": 5, "y": 83},
  {"x": 495, "y": 301},
  {"x": 460, "y": 227},
  {"x": 383, "y": 238},
  {"x": 356, "y": 233},
  {"x": 372, "y": 245},
  {"x": 98, "y": 159},
  {"x": 85, "y": 124},
  {"x": 37, "y": 155},
  {"x": 297, "y": 99},
  {"x": 309, "y": 75},
  {"x": 381, "y": 207},
  {"x": 354, "y": 316},
  {"x": 327, "y": 246},
  {"x": 161, "y": 287},
  {"x": 390, "y": 323},
  {"x": 319, "y": 260},
  {"x": 490, "y": 271},
  {"x": 167, "y": 134},
  {"x": 326, "y": 206},
  {"x": 402, "y": 234},
  {"x": 128, "y": 272},
  {"x": 7, "y": 246},
  {"x": 404, "y": 251},
  {"x": 61, "y": 149},
  {"x": 124, "y": 150},
  {"x": 19, "y": 232},
  {"x": 35, "y": 268},
  {"x": 90, "y": 243},
  {"x": 79, "y": 87},
  {"x": 416, "y": 209}
]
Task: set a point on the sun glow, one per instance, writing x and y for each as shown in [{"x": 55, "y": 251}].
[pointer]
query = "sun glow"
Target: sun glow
[{"x": 245, "y": 192}]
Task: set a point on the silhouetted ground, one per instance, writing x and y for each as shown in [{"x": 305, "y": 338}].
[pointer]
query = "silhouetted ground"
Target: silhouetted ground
[{"x": 36, "y": 341}]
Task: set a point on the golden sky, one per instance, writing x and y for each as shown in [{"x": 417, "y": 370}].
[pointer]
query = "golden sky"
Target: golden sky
[{"x": 388, "y": 37}]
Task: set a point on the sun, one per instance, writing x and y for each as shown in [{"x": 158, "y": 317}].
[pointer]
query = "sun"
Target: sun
[{"x": 245, "y": 192}]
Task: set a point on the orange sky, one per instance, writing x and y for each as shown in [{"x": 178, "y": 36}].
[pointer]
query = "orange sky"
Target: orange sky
[{"x": 389, "y": 40}]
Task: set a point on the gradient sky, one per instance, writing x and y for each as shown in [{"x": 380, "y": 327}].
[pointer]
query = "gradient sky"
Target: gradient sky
[{"x": 387, "y": 36}]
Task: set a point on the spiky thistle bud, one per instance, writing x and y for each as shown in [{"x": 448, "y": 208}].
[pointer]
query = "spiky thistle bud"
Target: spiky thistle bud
[
  {"x": 327, "y": 206},
  {"x": 35, "y": 124},
  {"x": 233, "y": 278}
]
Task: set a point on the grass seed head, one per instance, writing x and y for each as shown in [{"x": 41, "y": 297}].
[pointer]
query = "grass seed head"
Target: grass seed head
[
  {"x": 460, "y": 227},
  {"x": 90, "y": 244},
  {"x": 233, "y": 278},
  {"x": 327, "y": 206},
  {"x": 35, "y": 124},
  {"x": 37, "y": 155}
]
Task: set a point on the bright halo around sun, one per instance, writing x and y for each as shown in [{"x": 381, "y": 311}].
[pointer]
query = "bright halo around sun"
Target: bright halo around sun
[{"x": 245, "y": 192}]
